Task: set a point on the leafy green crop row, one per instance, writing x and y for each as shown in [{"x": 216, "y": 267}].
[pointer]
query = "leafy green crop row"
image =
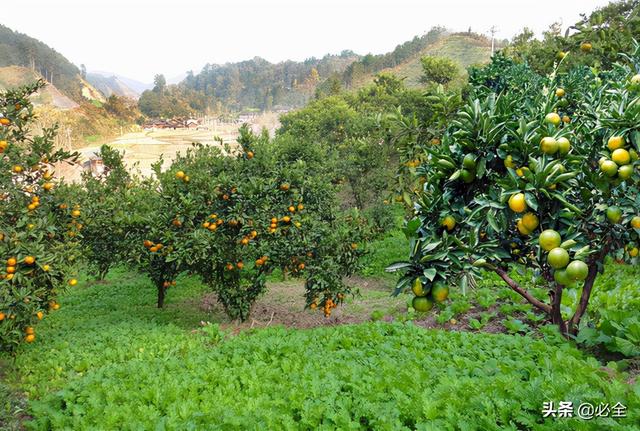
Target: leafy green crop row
[{"x": 112, "y": 361}]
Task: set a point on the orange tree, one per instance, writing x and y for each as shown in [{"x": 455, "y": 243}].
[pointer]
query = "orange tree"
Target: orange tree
[
  {"x": 534, "y": 173},
  {"x": 232, "y": 216},
  {"x": 108, "y": 218},
  {"x": 39, "y": 227}
]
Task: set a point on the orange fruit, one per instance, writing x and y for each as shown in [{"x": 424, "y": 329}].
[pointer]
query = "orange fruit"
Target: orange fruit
[
  {"x": 249, "y": 154},
  {"x": 530, "y": 221},
  {"x": 558, "y": 258},
  {"x": 17, "y": 169},
  {"x": 153, "y": 249},
  {"x": 284, "y": 187},
  {"x": 2, "y": 316},
  {"x": 12, "y": 261},
  {"x": 73, "y": 282},
  {"x": 5, "y": 121},
  {"x": 75, "y": 213},
  {"x": 300, "y": 207},
  {"x": 11, "y": 270},
  {"x": 292, "y": 209},
  {"x": 30, "y": 338},
  {"x": 229, "y": 267},
  {"x": 577, "y": 270},
  {"x": 449, "y": 222},
  {"x": 40, "y": 315},
  {"x": 286, "y": 219},
  {"x": 3, "y": 146},
  {"x": 29, "y": 330},
  {"x": 45, "y": 268},
  {"x": 301, "y": 266},
  {"x": 621, "y": 156},
  {"x": 47, "y": 186},
  {"x": 29, "y": 260},
  {"x": 615, "y": 142},
  {"x": 240, "y": 265},
  {"x": 180, "y": 175},
  {"x": 552, "y": 118},
  {"x": 549, "y": 239},
  {"x": 517, "y": 203}
]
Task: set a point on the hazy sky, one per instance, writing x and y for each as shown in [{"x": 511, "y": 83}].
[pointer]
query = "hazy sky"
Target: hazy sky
[{"x": 139, "y": 38}]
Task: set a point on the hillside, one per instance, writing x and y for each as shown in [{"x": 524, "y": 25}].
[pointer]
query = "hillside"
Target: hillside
[
  {"x": 465, "y": 49},
  {"x": 17, "y": 49},
  {"x": 14, "y": 76},
  {"x": 259, "y": 84},
  {"x": 112, "y": 84}
]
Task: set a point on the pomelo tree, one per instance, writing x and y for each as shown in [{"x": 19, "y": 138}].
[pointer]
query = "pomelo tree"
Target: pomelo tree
[{"x": 534, "y": 173}]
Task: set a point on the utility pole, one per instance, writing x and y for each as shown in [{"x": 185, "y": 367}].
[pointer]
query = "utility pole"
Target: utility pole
[{"x": 493, "y": 31}]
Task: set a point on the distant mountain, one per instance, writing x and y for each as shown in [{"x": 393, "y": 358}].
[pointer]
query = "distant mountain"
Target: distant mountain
[{"x": 112, "y": 84}]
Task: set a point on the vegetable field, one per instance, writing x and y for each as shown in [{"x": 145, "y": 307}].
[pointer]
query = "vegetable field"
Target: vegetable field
[{"x": 114, "y": 361}]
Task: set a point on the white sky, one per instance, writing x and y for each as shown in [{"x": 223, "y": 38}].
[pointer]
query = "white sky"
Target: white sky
[{"x": 139, "y": 38}]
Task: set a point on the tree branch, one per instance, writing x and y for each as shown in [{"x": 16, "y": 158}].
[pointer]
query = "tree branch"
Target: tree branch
[
  {"x": 586, "y": 291},
  {"x": 522, "y": 292}
]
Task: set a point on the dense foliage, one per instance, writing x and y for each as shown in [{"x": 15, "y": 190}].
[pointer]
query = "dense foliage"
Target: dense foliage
[
  {"x": 595, "y": 41},
  {"x": 535, "y": 172},
  {"x": 231, "y": 217},
  {"x": 39, "y": 227}
]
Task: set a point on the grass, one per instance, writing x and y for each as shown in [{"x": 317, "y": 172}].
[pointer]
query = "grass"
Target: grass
[
  {"x": 391, "y": 248},
  {"x": 108, "y": 359}
]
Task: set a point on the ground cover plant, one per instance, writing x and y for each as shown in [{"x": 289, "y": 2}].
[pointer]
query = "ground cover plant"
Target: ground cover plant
[{"x": 113, "y": 359}]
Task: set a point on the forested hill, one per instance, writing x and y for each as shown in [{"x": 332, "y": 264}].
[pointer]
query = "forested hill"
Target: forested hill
[
  {"x": 17, "y": 49},
  {"x": 257, "y": 83}
]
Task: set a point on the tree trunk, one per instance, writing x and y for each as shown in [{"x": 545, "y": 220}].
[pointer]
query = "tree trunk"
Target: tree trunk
[
  {"x": 574, "y": 323},
  {"x": 161, "y": 291},
  {"x": 556, "y": 313}
]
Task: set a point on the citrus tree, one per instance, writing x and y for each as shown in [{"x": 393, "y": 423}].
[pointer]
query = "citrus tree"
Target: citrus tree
[
  {"x": 39, "y": 227},
  {"x": 110, "y": 213},
  {"x": 534, "y": 173},
  {"x": 234, "y": 215}
]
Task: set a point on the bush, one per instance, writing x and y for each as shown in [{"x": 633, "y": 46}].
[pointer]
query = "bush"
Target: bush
[{"x": 39, "y": 228}]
